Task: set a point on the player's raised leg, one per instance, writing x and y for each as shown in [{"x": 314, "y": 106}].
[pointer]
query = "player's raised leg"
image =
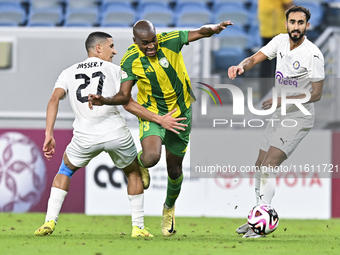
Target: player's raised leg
[{"x": 149, "y": 155}]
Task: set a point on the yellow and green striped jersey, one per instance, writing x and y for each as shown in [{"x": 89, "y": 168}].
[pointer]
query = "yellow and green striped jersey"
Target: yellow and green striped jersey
[{"x": 163, "y": 82}]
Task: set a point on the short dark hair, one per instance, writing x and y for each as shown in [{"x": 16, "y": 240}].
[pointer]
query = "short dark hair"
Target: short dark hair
[
  {"x": 93, "y": 39},
  {"x": 296, "y": 8}
]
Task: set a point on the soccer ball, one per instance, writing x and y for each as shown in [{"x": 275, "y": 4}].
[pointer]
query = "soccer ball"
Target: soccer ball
[
  {"x": 22, "y": 173},
  {"x": 263, "y": 219}
]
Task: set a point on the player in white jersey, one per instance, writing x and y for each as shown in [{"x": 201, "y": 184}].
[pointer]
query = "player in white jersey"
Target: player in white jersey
[
  {"x": 97, "y": 130},
  {"x": 299, "y": 70}
]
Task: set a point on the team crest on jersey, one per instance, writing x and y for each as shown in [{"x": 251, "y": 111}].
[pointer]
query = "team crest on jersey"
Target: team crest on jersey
[
  {"x": 164, "y": 62},
  {"x": 296, "y": 65}
]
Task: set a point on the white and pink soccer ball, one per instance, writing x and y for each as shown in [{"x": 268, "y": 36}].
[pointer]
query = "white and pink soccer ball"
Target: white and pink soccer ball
[
  {"x": 263, "y": 219},
  {"x": 22, "y": 173}
]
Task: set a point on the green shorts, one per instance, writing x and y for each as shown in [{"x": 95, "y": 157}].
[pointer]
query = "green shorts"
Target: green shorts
[{"x": 176, "y": 144}]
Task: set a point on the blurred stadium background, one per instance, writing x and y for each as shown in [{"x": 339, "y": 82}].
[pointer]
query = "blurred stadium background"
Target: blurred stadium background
[{"x": 40, "y": 38}]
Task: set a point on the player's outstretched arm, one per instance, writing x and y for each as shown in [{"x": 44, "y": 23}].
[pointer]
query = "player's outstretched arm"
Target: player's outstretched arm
[
  {"x": 166, "y": 121},
  {"x": 121, "y": 98},
  {"x": 207, "y": 30},
  {"x": 246, "y": 65},
  {"x": 51, "y": 115}
]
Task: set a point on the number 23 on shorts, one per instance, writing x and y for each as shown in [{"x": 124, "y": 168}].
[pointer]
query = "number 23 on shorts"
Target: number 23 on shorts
[{"x": 143, "y": 126}]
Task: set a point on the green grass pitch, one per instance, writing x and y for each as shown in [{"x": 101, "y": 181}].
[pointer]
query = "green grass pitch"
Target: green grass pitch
[{"x": 78, "y": 234}]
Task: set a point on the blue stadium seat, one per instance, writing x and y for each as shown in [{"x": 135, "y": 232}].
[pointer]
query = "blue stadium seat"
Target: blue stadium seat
[
  {"x": 254, "y": 37},
  {"x": 317, "y": 1},
  {"x": 12, "y": 1},
  {"x": 334, "y": 3},
  {"x": 142, "y": 2},
  {"x": 182, "y": 3},
  {"x": 234, "y": 36},
  {"x": 227, "y": 57},
  {"x": 159, "y": 14},
  {"x": 83, "y": 17},
  {"x": 218, "y": 2},
  {"x": 233, "y": 11},
  {"x": 12, "y": 14},
  {"x": 81, "y": 4},
  {"x": 117, "y": 14},
  {"x": 45, "y": 16},
  {"x": 192, "y": 15},
  {"x": 44, "y": 4},
  {"x": 45, "y": 13},
  {"x": 106, "y": 3}
]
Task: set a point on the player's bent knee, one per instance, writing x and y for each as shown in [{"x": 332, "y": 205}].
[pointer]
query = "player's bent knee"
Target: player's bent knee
[
  {"x": 63, "y": 169},
  {"x": 151, "y": 159}
]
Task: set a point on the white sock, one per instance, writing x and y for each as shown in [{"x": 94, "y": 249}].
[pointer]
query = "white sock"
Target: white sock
[
  {"x": 137, "y": 210},
  {"x": 267, "y": 186},
  {"x": 55, "y": 202},
  {"x": 257, "y": 185}
]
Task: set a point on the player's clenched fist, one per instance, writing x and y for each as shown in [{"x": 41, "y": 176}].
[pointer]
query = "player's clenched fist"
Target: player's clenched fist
[{"x": 235, "y": 70}]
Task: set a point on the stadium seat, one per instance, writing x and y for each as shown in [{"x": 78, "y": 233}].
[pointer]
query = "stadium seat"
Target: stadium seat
[
  {"x": 218, "y": 2},
  {"x": 334, "y": 3},
  {"x": 227, "y": 57},
  {"x": 234, "y": 36},
  {"x": 167, "y": 2},
  {"x": 192, "y": 15},
  {"x": 81, "y": 4},
  {"x": 84, "y": 17},
  {"x": 118, "y": 14},
  {"x": 12, "y": 14},
  {"x": 233, "y": 43},
  {"x": 43, "y": 4},
  {"x": 12, "y": 1},
  {"x": 45, "y": 13},
  {"x": 233, "y": 11},
  {"x": 317, "y": 1},
  {"x": 45, "y": 16},
  {"x": 181, "y": 3},
  {"x": 254, "y": 37},
  {"x": 106, "y": 3},
  {"x": 158, "y": 13}
]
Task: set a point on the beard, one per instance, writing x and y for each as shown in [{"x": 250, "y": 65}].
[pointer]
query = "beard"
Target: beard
[{"x": 297, "y": 38}]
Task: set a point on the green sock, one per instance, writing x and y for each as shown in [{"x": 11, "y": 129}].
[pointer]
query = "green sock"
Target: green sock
[
  {"x": 173, "y": 190},
  {"x": 139, "y": 160}
]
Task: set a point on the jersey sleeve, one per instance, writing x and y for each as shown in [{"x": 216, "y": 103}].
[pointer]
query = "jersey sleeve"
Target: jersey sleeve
[
  {"x": 62, "y": 83},
  {"x": 126, "y": 66},
  {"x": 270, "y": 50},
  {"x": 317, "y": 69},
  {"x": 174, "y": 40}
]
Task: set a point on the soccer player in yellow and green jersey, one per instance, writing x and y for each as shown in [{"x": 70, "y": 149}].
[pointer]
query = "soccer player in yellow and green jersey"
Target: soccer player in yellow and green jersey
[
  {"x": 163, "y": 104},
  {"x": 163, "y": 82}
]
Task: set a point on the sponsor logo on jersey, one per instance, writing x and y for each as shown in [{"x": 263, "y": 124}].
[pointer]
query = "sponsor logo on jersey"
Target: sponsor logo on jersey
[
  {"x": 296, "y": 65},
  {"x": 164, "y": 62},
  {"x": 287, "y": 81}
]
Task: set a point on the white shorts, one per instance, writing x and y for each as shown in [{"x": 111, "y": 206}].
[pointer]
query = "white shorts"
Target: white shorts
[
  {"x": 284, "y": 138},
  {"x": 122, "y": 151}
]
